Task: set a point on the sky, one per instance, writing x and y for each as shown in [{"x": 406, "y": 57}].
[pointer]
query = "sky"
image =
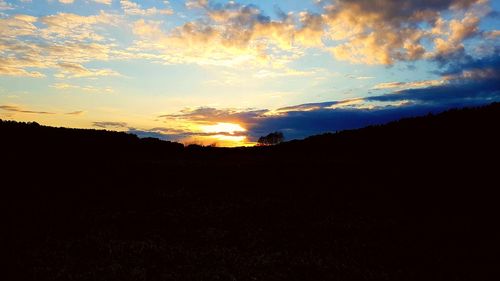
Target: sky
[{"x": 228, "y": 72}]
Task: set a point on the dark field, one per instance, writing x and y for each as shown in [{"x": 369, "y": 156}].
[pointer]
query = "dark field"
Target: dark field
[{"x": 411, "y": 200}]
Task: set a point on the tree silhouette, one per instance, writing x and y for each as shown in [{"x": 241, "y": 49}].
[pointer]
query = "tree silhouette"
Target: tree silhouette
[{"x": 271, "y": 139}]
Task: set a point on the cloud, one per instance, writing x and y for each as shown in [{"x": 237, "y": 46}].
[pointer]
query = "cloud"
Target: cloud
[
  {"x": 408, "y": 85},
  {"x": 74, "y": 70},
  {"x": 470, "y": 81},
  {"x": 5, "y": 6},
  {"x": 193, "y": 4},
  {"x": 63, "y": 41},
  {"x": 234, "y": 34},
  {"x": 488, "y": 63},
  {"x": 76, "y": 27},
  {"x": 20, "y": 109},
  {"x": 17, "y": 25},
  {"x": 89, "y": 89},
  {"x": 76, "y": 113},
  {"x": 114, "y": 125},
  {"x": 493, "y": 34},
  {"x": 461, "y": 91},
  {"x": 66, "y": 1},
  {"x": 386, "y": 31},
  {"x": 16, "y": 67},
  {"x": 230, "y": 34},
  {"x": 358, "y": 31},
  {"x": 105, "y": 2},
  {"x": 450, "y": 46},
  {"x": 208, "y": 115},
  {"x": 132, "y": 8},
  {"x": 78, "y": 52},
  {"x": 15, "y": 108}
]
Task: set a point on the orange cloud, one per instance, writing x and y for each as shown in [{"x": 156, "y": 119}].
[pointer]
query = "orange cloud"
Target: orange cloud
[
  {"x": 369, "y": 32},
  {"x": 63, "y": 41},
  {"x": 382, "y": 32}
]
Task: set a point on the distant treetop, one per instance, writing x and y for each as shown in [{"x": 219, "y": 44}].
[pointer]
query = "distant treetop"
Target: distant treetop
[{"x": 271, "y": 139}]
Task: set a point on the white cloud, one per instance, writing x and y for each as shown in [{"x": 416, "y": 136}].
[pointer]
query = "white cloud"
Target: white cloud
[
  {"x": 132, "y": 8},
  {"x": 409, "y": 85},
  {"x": 88, "y": 89},
  {"x": 5, "y": 6},
  {"x": 74, "y": 70}
]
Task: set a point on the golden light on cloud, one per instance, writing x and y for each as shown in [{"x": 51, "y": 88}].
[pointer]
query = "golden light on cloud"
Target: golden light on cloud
[{"x": 229, "y": 128}]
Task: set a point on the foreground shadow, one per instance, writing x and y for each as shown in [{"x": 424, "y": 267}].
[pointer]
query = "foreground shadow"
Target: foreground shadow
[{"x": 410, "y": 200}]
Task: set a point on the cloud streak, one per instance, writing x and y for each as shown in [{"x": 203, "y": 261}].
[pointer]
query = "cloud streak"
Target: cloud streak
[
  {"x": 108, "y": 124},
  {"x": 17, "y": 109},
  {"x": 88, "y": 89}
]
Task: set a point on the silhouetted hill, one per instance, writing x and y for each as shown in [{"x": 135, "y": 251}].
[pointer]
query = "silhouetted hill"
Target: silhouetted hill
[
  {"x": 38, "y": 139},
  {"x": 410, "y": 200}
]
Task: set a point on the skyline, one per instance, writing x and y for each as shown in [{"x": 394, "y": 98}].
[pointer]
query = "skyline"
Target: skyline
[{"x": 227, "y": 72}]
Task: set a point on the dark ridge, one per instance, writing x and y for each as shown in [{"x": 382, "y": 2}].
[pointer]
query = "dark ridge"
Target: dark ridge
[{"x": 414, "y": 199}]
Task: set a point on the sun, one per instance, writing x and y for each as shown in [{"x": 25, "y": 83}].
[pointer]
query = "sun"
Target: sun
[
  {"x": 225, "y": 134},
  {"x": 227, "y": 128}
]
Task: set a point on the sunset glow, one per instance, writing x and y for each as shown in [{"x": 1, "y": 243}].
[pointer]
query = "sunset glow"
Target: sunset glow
[
  {"x": 228, "y": 128},
  {"x": 191, "y": 70},
  {"x": 231, "y": 141}
]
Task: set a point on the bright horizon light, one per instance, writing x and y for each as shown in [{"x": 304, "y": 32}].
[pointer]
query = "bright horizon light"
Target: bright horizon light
[{"x": 229, "y": 128}]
